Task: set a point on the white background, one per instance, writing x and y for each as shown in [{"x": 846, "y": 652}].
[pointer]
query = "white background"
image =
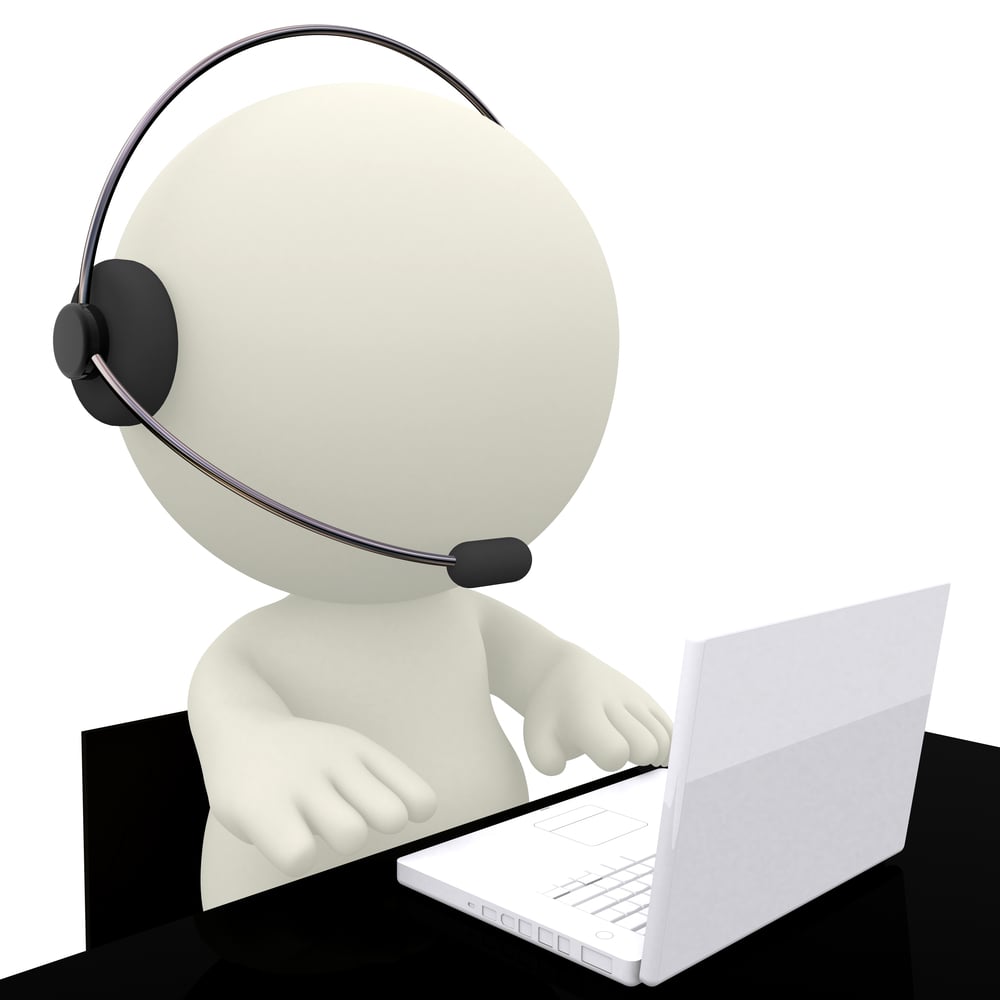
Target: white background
[{"x": 799, "y": 208}]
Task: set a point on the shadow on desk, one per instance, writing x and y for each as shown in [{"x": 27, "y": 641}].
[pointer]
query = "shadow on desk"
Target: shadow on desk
[
  {"x": 918, "y": 925},
  {"x": 401, "y": 940}
]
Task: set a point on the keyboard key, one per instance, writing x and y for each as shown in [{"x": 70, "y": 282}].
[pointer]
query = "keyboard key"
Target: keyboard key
[
  {"x": 633, "y": 922},
  {"x": 595, "y": 904},
  {"x": 581, "y": 895},
  {"x": 607, "y": 884},
  {"x": 635, "y": 886}
]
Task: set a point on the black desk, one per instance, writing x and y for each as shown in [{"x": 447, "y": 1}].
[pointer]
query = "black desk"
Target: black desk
[{"x": 926, "y": 923}]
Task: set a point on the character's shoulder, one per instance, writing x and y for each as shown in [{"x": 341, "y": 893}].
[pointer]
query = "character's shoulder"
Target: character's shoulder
[
  {"x": 249, "y": 628},
  {"x": 472, "y": 601}
]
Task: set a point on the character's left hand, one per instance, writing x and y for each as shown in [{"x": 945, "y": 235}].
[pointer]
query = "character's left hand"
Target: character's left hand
[{"x": 584, "y": 707}]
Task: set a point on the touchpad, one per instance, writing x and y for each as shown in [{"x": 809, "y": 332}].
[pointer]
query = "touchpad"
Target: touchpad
[{"x": 590, "y": 825}]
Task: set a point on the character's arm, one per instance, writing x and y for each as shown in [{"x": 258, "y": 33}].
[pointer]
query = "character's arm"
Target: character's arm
[
  {"x": 277, "y": 781},
  {"x": 572, "y": 703}
]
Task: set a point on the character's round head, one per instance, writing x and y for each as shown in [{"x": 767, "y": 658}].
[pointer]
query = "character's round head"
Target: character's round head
[{"x": 391, "y": 316}]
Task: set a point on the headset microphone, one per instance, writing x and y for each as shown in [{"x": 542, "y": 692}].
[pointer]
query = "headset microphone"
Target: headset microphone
[{"x": 117, "y": 342}]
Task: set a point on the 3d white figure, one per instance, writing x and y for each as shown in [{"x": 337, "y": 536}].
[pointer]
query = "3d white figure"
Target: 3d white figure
[{"x": 392, "y": 316}]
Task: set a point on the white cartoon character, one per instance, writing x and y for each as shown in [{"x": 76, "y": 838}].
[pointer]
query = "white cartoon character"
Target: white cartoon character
[{"x": 392, "y": 316}]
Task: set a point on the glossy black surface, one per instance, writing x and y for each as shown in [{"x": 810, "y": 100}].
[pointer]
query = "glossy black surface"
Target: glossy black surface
[
  {"x": 923, "y": 924},
  {"x": 144, "y": 813}
]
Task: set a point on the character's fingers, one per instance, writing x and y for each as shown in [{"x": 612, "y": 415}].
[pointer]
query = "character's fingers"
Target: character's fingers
[
  {"x": 661, "y": 717},
  {"x": 643, "y": 741},
  {"x": 378, "y": 805},
  {"x": 542, "y": 744},
  {"x": 660, "y": 732},
  {"x": 282, "y": 836},
  {"x": 332, "y": 818},
  {"x": 668, "y": 727},
  {"x": 599, "y": 739},
  {"x": 417, "y": 798}
]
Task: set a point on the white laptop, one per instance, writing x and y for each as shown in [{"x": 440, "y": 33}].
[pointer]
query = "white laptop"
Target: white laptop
[{"x": 792, "y": 769}]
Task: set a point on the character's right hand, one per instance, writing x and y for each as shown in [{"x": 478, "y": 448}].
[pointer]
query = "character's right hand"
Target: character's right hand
[{"x": 292, "y": 780}]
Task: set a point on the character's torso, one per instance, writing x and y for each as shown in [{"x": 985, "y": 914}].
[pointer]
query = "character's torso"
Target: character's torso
[{"x": 412, "y": 677}]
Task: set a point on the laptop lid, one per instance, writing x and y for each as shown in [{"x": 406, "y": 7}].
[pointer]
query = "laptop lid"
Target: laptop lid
[{"x": 792, "y": 769}]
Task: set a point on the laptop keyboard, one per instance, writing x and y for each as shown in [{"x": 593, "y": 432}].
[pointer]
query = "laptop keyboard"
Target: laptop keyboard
[{"x": 617, "y": 891}]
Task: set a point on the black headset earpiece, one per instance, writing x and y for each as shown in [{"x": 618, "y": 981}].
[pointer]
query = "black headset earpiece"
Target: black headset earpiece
[
  {"x": 129, "y": 321},
  {"x": 117, "y": 341}
]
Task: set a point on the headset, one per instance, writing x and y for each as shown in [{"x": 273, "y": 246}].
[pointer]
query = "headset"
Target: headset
[{"x": 117, "y": 340}]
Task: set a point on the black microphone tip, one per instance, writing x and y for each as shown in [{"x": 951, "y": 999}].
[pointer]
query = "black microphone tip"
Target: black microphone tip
[{"x": 489, "y": 561}]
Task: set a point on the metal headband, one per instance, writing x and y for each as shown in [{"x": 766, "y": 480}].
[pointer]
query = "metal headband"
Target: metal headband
[{"x": 181, "y": 83}]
